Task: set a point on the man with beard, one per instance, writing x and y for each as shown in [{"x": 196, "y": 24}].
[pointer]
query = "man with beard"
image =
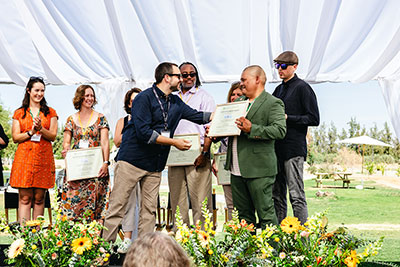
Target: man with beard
[
  {"x": 145, "y": 146},
  {"x": 193, "y": 180},
  {"x": 251, "y": 157}
]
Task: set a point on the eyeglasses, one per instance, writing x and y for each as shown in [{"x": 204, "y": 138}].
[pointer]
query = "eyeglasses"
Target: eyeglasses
[
  {"x": 283, "y": 65},
  {"x": 174, "y": 74},
  {"x": 36, "y": 78},
  {"x": 192, "y": 75}
]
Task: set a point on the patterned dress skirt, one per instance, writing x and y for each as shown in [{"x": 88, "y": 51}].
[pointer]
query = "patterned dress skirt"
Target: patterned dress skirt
[{"x": 86, "y": 198}]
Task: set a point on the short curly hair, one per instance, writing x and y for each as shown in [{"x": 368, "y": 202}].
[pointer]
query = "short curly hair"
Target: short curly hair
[
  {"x": 127, "y": 99},
  {"x": 80, "y": 95}
]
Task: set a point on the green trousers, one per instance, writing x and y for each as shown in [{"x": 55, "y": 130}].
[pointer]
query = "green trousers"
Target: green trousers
[{"x": 252, "y": 195}]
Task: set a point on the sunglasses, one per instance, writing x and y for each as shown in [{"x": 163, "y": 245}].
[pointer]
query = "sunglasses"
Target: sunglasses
[
  {"x": 35, "y": 78},
  {"x": 192, "y": 75},
  {"x": 283, "y": 66},
  {"x": 174, "y": 74}
]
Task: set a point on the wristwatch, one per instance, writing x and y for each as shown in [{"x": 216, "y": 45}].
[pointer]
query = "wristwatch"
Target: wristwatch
[
  {"x": 107, "y": 162},
  {"x": 206, "y": 154}
]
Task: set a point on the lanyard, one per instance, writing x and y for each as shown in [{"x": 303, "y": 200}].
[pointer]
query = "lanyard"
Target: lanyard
[
  {"x": 191, "y": 95},
  {"x": 165, "y": 114},
  {"x": 250, "y": 104},
  {"x": 84, "y": 130},
  {"x": 33, "y": 117}
]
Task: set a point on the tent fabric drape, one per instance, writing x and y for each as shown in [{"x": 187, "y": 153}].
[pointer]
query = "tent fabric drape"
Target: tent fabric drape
[{"x": 106, "y": 42}]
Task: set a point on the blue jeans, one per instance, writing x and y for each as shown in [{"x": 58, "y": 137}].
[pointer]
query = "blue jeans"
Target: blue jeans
[{"x": 290, "y": 175}]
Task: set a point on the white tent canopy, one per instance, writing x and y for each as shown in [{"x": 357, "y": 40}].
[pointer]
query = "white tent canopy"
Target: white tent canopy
[
  {"x": 363, "y": 140},
  {"x": 116, "y": 44}
]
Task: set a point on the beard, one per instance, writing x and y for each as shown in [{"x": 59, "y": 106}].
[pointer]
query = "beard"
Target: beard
[{"x": 175, "y": 88}]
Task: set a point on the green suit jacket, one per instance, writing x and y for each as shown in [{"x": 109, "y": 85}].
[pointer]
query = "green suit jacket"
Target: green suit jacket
[{"x": 256, "y": 151}]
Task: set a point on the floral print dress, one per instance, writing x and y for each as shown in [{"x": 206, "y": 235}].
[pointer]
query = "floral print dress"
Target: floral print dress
[{"x": 88, "y": 196}]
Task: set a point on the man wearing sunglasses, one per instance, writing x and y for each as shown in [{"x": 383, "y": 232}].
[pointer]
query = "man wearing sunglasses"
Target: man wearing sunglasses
[
  {"x": 194, "y": 181},
  {"x": 301, "y": 111}
]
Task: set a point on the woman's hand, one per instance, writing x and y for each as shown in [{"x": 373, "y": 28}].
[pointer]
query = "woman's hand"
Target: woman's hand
[
  {"x": 37, "y": 124},
  {"x": 64, "y": 152},
  {"x": 103, "y": 171}
]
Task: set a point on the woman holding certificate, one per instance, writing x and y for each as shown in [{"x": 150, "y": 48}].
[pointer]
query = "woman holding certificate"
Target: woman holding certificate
[
  {"x": 234, "y": 92},
  {"x": 84, "y": 129},
  {"x": 34, "y": 126}
]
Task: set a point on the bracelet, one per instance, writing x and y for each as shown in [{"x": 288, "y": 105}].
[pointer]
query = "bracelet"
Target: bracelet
[
  {"x": 29, "y": 134},
  {"x": 107, "y": 162}
]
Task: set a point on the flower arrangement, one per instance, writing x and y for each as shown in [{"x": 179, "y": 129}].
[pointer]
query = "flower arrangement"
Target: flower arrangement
[
  {"x": 66, "y": 243},
  {"x": 289, "y": 244}
]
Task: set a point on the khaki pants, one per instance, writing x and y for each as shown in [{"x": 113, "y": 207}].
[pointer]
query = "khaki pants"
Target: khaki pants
[
  {"x": 127, "y": 177},
  {"x": 197, "y": 183}
]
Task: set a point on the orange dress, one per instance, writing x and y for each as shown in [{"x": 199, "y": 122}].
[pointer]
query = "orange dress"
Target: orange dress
[{"x": 33, "y": 165}]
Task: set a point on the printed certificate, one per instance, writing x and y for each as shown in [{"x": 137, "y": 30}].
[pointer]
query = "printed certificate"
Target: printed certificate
[
  {"x": 83, "y": 163},
  {"x": 223, "y": 176},
  {"x": 223, "y": 123},
  {"x": 178, "y": 157}
]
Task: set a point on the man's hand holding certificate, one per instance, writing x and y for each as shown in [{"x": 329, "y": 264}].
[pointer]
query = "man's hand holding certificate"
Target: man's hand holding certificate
[{"x": 225, "y": 119}]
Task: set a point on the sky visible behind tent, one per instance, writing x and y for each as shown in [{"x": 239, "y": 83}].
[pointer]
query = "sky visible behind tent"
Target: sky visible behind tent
[{"x": 338, "y": 102}]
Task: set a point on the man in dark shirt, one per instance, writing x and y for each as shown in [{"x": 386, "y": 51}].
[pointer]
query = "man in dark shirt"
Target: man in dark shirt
[
  {"x": 145, "y": 146},
  {"x": 301, "y": 111}
]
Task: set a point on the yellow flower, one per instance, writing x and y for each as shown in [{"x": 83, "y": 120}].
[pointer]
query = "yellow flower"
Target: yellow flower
[
  {"x": 107, "y": 255},
  {"x": 225, "y": 258},
  {"x": 34, "y": 247},
  {"x": 79, "y": 245},
  {"x": 16, "y": 248},
  {"x": 34, "y": 230},
  {"x": 210, "y": 252},
  {"x": 105, "y": 259},
  {"x": 290, "y": 225},
  {"x": 352, "y": 260},
  {"x": 33, "y": 223},
  {"x": 276, "y": 239}
]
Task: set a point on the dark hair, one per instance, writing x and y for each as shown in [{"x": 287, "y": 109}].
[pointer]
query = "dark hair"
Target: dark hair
[
  {"x": 26, "y": 101},
  {"x": 198, "y": 83},
  {"x": 234, "y": 86},
  {"x": 162, "y": 69},
  {"x": 80, "y": 95},
  {"x": 127, "y": 100}
]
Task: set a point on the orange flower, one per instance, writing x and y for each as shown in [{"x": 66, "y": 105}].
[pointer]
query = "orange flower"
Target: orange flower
[{"x": 59, "y": 243}]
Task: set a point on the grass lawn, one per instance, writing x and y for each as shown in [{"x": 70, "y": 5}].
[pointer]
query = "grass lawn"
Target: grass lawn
[{"x": 372, "y": 212}]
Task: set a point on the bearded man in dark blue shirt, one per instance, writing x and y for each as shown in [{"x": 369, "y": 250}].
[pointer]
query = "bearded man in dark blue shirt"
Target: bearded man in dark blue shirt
[
  {"x": 145, "y": 146},
  {"x": 301, "y": 111}
]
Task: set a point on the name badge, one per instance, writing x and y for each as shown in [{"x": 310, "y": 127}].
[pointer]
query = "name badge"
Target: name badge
[
  {"x": 165, "y": 133},
  {"x": 36, "y": 137},
  {"x": 83, "y": 143}
]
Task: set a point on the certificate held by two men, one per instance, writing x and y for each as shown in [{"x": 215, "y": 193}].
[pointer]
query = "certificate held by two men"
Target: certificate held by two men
[
  {"x": 223, "y": 123},
  {"x": 83, "y": 163}
]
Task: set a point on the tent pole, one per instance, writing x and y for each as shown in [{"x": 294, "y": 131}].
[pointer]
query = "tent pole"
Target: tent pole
[{"x": 362, "y": 159}]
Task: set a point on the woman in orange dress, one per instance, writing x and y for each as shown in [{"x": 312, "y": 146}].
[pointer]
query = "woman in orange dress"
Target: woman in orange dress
[{"x": 34, "y": 126}]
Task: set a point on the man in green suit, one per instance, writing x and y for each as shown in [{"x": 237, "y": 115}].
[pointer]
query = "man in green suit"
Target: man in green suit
[{"x": 251, "y": 156}]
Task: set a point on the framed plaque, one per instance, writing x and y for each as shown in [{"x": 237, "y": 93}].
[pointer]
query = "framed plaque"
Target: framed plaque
[
  {"x": 223, "y": 176},
  {"x": 178, "y": 157},
  {"x": 83, "y": 163},
  {"x": 223, "y": 123}
]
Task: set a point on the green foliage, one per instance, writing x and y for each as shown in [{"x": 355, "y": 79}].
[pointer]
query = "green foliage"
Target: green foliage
[
  {"x": 381, "y": 167},
  {"x": 323, "y": 144},
  {"x": 371, "y": 168},
  {"x": 58, "y": 143}
]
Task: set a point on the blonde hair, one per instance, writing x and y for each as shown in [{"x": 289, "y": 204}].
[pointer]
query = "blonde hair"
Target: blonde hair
[{"x": 156, "y": 250}]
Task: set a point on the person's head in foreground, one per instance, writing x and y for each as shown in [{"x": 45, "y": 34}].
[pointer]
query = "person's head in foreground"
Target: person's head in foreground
[{"x": 156, "y": 250}]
